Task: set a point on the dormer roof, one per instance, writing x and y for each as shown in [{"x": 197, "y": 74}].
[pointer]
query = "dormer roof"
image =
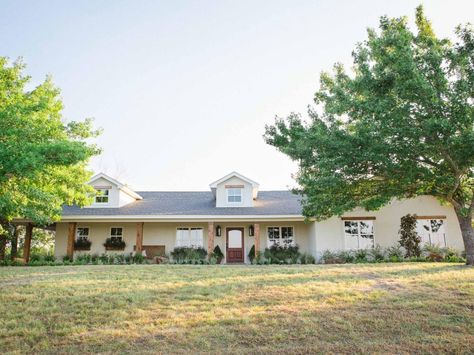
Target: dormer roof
[
  {"x": 117, "y": 183},
  {"x": 253, "y": 183},
  {"x": 232, "y": 174}
]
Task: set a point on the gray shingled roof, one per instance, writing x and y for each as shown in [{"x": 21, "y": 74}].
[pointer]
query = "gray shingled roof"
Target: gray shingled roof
[{"x": 195, "y": 203}]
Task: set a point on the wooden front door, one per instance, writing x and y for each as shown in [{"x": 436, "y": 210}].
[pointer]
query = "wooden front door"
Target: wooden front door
[{"x": 235, "y": 245}]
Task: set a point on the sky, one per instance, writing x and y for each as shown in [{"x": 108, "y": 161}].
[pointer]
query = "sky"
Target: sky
[{"x": 183, "y": 89}]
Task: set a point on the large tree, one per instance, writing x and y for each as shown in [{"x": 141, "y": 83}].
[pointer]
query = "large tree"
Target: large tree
[
  {"x": 42, "y": 158},
  {"x": 399, "y": 125}
]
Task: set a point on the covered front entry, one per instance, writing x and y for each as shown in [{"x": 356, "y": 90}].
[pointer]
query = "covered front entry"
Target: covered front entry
[{"x": 235, "y": 245}]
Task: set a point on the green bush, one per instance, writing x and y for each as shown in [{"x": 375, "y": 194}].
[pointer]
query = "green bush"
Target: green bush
[
  {"x": 138, "y": 258},
  {"x": 360, "y": 256},
  {"x": 395, "y": 253},
  {"x": 306, "y": 258},
  {"x": 347, "y": 256},
  {"x": 330, "y": 257},
  {"x": 251, "y": 254},
  {"x": 188, "y": 255},
  {"x": 114, "y": 244},
  {"x": 377, "y": 254},
  {"x": 82, "y": 244},
  {"x": 217, "y": 255},
  {"x": 279, "y": 254}
]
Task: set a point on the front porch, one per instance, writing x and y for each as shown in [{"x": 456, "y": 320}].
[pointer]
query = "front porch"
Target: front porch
[{"x": 234, "y": 238}]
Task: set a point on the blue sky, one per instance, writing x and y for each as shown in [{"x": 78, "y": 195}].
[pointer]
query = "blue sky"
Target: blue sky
[{"x": 183, "y": 89}]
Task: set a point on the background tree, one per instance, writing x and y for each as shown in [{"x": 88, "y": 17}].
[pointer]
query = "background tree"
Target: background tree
[
  {"x": 409, "y": 239},
  {"x": 42, "y": 159},
  {"x": 401, "y": 125}
]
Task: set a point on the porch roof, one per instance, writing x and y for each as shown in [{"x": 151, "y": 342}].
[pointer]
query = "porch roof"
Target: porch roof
[{"x": 195, "y": 203}]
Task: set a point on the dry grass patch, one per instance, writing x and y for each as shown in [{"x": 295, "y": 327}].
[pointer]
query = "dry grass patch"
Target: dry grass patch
[{"x": 395, "y": 308}]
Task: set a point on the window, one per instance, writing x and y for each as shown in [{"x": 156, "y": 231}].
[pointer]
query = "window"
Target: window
[
  {"x": 359, "y": 234},
  {"x": 102, "y": 196},
  {"x": 280, "y": 235},
  {"x": 116, "y": 233},
  {"x": 431, "y": 231},
  {"x": 234, "y": 195},
  {"x": 82, "y": 233},
  {"x": 189, "y": 237}
]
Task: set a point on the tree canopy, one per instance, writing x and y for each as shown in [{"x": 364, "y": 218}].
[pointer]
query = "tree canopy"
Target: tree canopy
[
  {"x": 399, "y": 125},
  {"x": 42, "y": 158}
]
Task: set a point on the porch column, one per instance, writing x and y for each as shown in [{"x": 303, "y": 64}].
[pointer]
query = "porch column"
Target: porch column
[
  {"x": 210, "y": 238},
  {"x": 256, "y": 231},
  {"x": 71, "y": 235},
  {"x": 139, "y": 241},
  {"x": 27, "y": 245}
]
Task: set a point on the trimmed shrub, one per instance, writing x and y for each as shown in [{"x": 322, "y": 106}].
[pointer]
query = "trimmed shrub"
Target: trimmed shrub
[
  {"x": 217, "y": 255},
  {"x": 279, "y": 254},
  {"x": 188, "y": 255},
  {"x": 251, "y": 254}
]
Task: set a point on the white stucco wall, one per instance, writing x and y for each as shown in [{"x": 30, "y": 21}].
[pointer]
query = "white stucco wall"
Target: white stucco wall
[{"x": 330, "y": 233}]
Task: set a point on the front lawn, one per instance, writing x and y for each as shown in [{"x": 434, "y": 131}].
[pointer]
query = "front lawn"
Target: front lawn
[{"x": 394, "y": 308}]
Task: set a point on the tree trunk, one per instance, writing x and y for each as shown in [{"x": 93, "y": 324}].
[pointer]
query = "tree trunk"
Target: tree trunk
[
  {"x": 3, "y": 246},
  {"x": 14, "y": 243},
  {"x": 465, "y": 222}
]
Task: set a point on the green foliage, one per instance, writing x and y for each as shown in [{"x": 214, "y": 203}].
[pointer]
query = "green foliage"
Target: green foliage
[
  {"x": 377, "y": 254},
  {"x": 282, "y": 254},
  {"x": 360, "y": 256},
  {"x": 188, "y": 255},
  {"x": 395, "y": 253},
  {"x": 251, "y": 254},
  {"x": 42, "y": 159},
  {"x": 114, "y": 244},
  {"x": 82, "y": 244},
  {"x": 409, "y": 239},
  {"x": 400, "y": 125},
  {"x": 217, "y": 255},
  {"x": 307, "y": 258}
]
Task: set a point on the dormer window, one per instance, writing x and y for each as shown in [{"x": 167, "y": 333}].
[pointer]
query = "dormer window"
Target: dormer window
[
  {"x": 102, "y": 196},
  {"x": 234, "y": 195}
]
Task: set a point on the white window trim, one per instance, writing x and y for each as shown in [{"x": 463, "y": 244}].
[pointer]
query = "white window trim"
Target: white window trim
[
  {"x": 189, "y": 234},
  {"x": 358, "y": 231},
  {"x": 241, "y": 195},
  {"x": 269, "y": 243},
  {"x": 108, "y": 197},
  {"x": 110, "y": 232},
  {"x": 79, "y": 236}
]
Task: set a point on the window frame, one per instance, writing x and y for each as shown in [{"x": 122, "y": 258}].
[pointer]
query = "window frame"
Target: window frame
[
  {"x": 189, "y": 237},
  {"x": 280, "y": 239},
  {"x": 430, "y": 232},
  {"x": 85, "y": 237},
  {"x": 115, "y": 236},
  {"x": 229, "y": 189},
  {"x": 359, "y": 234},
  {"x": 105, "y": 195}
]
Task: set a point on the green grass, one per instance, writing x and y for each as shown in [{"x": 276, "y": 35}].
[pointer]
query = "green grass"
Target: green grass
[{"x": 390, "y": 308}]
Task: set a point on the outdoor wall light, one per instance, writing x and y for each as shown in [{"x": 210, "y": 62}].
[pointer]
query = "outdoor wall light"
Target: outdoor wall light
[
  {"x": 218, "y": 231},
  {"x": 251, "y": 230}
]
